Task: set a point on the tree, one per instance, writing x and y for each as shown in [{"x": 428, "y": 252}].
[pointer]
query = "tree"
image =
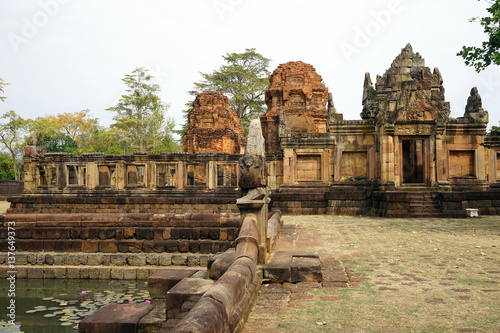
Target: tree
[
  {"x": 140, "y": 114},
  {"x": 243, "y": 79},
  {"x": 489, "y": 52},
  {"x": 12, "y": 136},
  {"x": 2, "y": 84},
  {"x": 6, "y": 167},
  {"x": 51, "y": 136}
]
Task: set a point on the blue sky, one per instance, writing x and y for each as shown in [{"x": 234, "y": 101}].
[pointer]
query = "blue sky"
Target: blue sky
[{"x": 69, "y": 55}]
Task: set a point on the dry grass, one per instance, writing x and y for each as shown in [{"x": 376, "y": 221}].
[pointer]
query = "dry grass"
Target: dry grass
[{"x": 407, "y": 275}]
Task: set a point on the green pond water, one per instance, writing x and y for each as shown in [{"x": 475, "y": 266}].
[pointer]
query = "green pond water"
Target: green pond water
[{"x": 55, "y": 306}]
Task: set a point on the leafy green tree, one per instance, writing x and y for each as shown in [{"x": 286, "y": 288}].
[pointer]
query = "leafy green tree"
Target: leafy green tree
[
  {"x": 2, "y": 84},
  {"x": 12, "y": 136},
  {"x": 51, "y": 136},
  {"x": 489, "y": 52},
  {"x": 141, "y": 115},
  {"x": 243, "y": 79},
  {"x": 6, "y": 167},
  {"x": 104, "y": 140}
]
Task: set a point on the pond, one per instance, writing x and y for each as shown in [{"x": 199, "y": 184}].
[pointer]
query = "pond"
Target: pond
[{"x": 55, "y": 306}]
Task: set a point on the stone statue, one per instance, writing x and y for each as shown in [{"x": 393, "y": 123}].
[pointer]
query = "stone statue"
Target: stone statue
[
  {"x": 253, "y": 173},
  {"x": 32, "y": 139},
  {"x": 474, "y": 111}
]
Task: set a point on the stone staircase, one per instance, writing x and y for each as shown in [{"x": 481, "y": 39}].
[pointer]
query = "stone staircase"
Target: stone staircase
[{"x": 422, "y": 201}]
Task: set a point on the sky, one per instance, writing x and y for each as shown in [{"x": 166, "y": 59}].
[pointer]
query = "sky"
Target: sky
[{"x": 69, "y": 55}]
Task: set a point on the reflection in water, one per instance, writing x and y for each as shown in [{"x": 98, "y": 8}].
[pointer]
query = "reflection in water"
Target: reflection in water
[{"x": 55, "y": 306}]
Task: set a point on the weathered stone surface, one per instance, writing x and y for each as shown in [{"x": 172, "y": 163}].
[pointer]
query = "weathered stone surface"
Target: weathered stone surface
[
  {"x": 409, "y": 91},
  {"x": 115, "y": 318},
  {"x": 296, "y": 101},
  {"x": 219, "y": 263},
  {"x": 293, "y": 267},
  {"x": 207, "y": 316},
  {"x": 306, "y": 268},
  {"x": 154, "y": 320},
  {"x": 213, "y": 127},
  {"x": 162, "y": 281},
  {"x": 182, "y": 291}
]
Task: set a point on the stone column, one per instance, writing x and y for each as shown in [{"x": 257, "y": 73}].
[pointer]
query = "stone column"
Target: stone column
[{"x": 253, "y": 183}]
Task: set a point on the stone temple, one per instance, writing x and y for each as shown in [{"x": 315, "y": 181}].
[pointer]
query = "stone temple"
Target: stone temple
[
  {"x": 98, "y": 216},
  {"x": 405, "y": 156}
]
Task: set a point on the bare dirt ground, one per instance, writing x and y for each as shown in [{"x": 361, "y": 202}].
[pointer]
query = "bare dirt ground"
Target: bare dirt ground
[{"x": 388, "y": 275}]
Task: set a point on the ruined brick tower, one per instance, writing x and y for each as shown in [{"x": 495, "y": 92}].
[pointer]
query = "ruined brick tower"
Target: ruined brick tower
[
  {"x": 213, "y": 127},
  {"x": 296, "y": 103}
]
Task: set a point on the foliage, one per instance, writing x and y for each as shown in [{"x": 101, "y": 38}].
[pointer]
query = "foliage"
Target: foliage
[
  {"x": 12, "y": 136},
  {"x": 6, "y": 167},
  {"x": 2, "y": 84},
  {"x": 243, "y": 79},
  {"x": 140, "y": 119},
  {"x": 489, "y": 52}
]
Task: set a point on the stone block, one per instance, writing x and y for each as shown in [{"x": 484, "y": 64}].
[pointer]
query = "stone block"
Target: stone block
[
  {"x": 116, "y": 273},
  {"x": 60, "y": 272},
  {"x": 104, "y": 273},
  {"x": 115, "y": 318},
  {"x": 179, "y": 259},
  {"x": 137, "y": 259},
  {"x": 94, "y": 273},
  {"x": 148, "y": 246},
  {"x": 154, "y": 320},
  {"x": 90, "y": 246},
  {"x": 162, "y": 281},
  {"x": 306, "y": 268},
  {"x": 84, "y": 272},
  {"x": 165, "y": 259},
  {"x": 108, "y": 247},
  {"x": 49, "y": 272},
  {"x": 182, "y": 291},
  {"x": 143, "y": 273},
  {"x": 129, "y": 273},
  {"x": 73, "y": 272},
  {"x": 183, "y": 246},
  {"x": 278, "y": 267},
  {"x": 192, "y": 260},
  {"x": 60, "y": 259},
  {"x": 152, "y": 259}
]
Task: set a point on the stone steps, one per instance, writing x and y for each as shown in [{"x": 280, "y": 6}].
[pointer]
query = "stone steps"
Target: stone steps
[{"x": 422, "y": 203}]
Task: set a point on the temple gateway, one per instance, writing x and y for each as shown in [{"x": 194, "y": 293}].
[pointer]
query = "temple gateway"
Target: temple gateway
[{"x": 404, "y": 157}]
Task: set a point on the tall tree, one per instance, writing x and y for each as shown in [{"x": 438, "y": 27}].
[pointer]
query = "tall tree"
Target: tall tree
[
  {"x": 243, "y": 79},
  {"x": 2, "y": 84},
  {"x": 489, "y": 52},
  {"x": 141, "y": 115},
  {"x": 12, "y": 136}
]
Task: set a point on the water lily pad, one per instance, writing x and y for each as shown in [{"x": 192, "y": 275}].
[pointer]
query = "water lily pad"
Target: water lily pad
[
  {"x": 47, "y": 298},
  {"x": 67, "y": 324},
  {"x": 49, "y": 315},
  {"x": 31, "y": 311}
]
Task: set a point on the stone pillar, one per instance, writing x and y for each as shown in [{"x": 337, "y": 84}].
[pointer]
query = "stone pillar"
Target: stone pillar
[
  {"x": 253, "y": 183},
  {"x": 121, "y": 174},
  {"x": 92, "y": 175},
  {"x": 212, "y": 175}
]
